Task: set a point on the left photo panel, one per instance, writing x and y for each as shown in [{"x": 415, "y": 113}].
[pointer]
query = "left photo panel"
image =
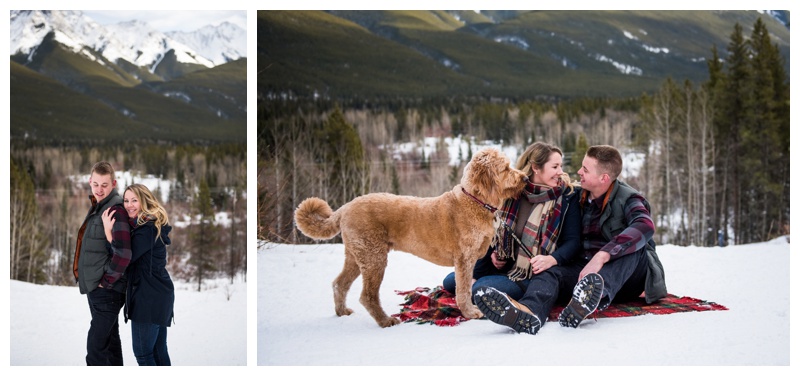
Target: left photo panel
[{"x": 127, "y": 236}]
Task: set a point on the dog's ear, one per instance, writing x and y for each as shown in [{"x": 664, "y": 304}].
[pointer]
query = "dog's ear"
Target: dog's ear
[{"x": 484, "y": 175}]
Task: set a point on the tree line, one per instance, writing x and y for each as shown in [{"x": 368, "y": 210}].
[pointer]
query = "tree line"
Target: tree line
[
  {"x": 716, "y": 154},
  {"x": 719, "y": 151},
  {"x": 307, "y": 148},
  {"x": 49, "y": 195}
]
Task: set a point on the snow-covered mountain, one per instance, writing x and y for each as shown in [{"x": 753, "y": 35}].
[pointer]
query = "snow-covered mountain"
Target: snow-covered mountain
[
  {"x": 144, "y": 46},
  {"x": 781, "y": 15},
  {"x": 134, "y": 41},
  {"x": 221, "y": 44}
]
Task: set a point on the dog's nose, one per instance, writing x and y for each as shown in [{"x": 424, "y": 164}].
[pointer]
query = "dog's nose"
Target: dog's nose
[{"x": 526, "y": 179}]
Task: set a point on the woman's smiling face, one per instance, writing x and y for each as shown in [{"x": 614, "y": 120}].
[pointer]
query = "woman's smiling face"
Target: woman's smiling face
[
  {"x": 550, "y": 173},
  {"x": 131, "y": 203}
]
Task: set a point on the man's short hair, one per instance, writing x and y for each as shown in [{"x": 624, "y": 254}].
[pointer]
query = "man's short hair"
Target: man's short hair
[
  {"x": 608, "y": 159},
  {"x": 103, "y": 168}
]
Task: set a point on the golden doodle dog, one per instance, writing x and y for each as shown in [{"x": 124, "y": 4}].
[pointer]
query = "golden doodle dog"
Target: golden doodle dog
[{"x": 453, "y": 229}]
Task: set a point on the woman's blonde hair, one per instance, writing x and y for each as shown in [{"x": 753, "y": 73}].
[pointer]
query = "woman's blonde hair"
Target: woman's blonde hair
[
  {"x": 537, "y": 155},
  {"x": 150, "y": 208}
]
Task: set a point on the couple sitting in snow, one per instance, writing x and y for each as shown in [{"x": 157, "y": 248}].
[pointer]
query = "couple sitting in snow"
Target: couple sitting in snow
[{"x": 590, "y": 245}]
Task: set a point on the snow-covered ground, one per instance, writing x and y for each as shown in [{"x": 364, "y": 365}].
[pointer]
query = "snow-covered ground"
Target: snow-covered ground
[
  {"x": 49, "y": 326},
  {"x": 294, "y": 323},
  {"x": 297, "y": 324}
]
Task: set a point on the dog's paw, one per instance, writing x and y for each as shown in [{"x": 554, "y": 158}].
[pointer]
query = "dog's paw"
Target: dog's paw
[
  {"x": 471, "y": 312},
  {"x": 344, "y": 312},
  {"x": 389, "y": 321}
]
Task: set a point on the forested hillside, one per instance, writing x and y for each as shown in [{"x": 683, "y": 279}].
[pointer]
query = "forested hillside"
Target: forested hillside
[
  {"x": 522, "y": 55},
  {"x": 206, "y": 203},
  {"x": 715, "y": 151}
]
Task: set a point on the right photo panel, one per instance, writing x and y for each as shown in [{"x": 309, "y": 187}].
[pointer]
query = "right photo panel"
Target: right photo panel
[{"x": 519, "y": 188}]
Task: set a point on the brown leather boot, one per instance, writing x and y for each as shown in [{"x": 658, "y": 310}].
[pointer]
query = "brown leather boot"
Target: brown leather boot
[
  {"x": 503, "y": 310},
  {"x": 585, "y": 299},
  {"x": 520, "y": 306}
]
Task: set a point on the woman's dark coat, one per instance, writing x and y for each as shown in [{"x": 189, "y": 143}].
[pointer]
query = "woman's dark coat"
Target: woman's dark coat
[{"x": 151, "y": 294}]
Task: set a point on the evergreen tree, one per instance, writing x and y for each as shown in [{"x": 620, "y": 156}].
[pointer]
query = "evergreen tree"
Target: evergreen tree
[
  {"x": 762, "y": 135},
  {"x": 27, "y": 244},
  {"x": 751, "y": 127},
  {"x": 733, "y": 105},
  {"x": 716, "y": 76},
  {"x": 581, "y": 146},
  {"x": 204, "y": 238},
  {"x": 345, "y": 156},
  {"x": 395, "y": 180},
  {"x": 424, "y": 164}
]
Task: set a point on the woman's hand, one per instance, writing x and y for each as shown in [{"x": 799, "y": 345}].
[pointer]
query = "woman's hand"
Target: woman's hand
[
  {"x": 108, "y": 222},
  {"x": 499, "y": 264},
  {"x": 540, "y": 263}
]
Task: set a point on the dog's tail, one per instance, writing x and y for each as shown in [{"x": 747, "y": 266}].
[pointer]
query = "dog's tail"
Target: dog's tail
[{"x": 315, "y": 218}]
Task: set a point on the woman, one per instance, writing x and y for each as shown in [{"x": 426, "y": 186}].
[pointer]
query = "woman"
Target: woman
[
  {"x": 150, "y": 293},
  {"x": 539, "y": 231}
]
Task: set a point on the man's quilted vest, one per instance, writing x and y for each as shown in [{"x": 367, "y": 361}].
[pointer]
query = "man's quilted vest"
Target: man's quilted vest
[
  {"x": 94, "y": 256},
  {"x": 613, "y": 223}
]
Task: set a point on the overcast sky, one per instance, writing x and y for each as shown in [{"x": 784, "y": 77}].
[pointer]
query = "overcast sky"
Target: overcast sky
[{"x": 171, "y": 20}]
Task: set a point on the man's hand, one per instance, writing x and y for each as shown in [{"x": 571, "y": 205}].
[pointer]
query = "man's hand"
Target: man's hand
[{"x": 595, "y": 264}]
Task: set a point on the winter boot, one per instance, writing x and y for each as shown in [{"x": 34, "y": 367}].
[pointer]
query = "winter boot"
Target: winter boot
[
  {"x": 501, "y": 309},
  {"x": 585, "y": 299}
]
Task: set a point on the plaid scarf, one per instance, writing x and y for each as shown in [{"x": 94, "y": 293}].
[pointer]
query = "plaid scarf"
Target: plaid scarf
[
  {"x": 141, "y": 219},
  {"x": 540, "y": 233}
]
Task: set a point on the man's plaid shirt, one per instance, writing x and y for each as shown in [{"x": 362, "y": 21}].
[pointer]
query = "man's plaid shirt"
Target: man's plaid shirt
[
  {"x": 640, "y": 228},
  {"x": 121, "y": 250}
]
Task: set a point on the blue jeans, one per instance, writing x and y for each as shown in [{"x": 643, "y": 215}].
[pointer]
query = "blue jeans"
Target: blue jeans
[
  {"x": 623, "y": 278},
  {"x": 500, "y": 282},
  {"x": 150, "y": 344},
  {"x": 539, "y": 293},
  {"x": 103, "y": 345}
]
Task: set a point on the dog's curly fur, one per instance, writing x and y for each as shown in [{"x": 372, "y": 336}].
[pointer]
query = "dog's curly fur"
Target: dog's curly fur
[{"x": 449, "y": 230}]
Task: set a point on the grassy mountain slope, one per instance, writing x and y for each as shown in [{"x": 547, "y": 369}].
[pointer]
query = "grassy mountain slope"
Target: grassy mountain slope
[
  {"x": 100, "y": 109},
  {"x": 43, "y": 108},
  {"x": 220, "y": 90},
  {"x": 61, "y": 95},
  {"x": 402, "y": 19},
  {"x": 499, "y": 53},
  {"x": 307, "y": 52}
]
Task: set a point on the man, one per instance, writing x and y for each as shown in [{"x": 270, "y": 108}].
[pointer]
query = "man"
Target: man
[
  {"x": 619, "y": 261},
  {"x": 98, "y": 272},
  {"x": 619, "y": 252}
]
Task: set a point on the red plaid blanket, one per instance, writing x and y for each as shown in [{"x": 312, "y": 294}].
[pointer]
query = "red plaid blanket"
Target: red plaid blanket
[{"x": 437, "y": 306}]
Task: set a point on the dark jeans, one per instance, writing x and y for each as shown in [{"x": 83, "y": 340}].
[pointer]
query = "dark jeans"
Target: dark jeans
[
  {"x": 449, "y": 284},
  {"x": 103, "y": 346},
  {"x": 500, "y": 282},
  {"x": 150, "y": 344},
  {"x": 623, "y": 278}
]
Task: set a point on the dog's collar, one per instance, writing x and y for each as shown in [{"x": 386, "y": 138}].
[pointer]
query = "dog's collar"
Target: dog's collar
[{"x": 488, "y": 207}]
